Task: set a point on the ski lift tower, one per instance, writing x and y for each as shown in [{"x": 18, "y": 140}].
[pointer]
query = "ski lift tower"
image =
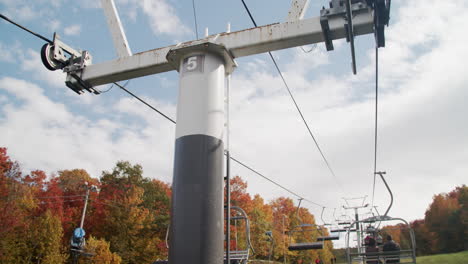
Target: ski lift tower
[
  {"x": 359, "y": 232},
  {"x": 196, "y": 230}
]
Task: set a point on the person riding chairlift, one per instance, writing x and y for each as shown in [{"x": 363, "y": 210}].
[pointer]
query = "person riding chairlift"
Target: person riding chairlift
[
  {"x": 371, "y": 248},
  {"x": 392, "y": 247}
]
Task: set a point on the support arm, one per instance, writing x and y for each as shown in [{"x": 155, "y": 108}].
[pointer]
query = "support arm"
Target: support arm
[
  {"x": 239, "y": 44},
  {"x": 116, "y": 29}
]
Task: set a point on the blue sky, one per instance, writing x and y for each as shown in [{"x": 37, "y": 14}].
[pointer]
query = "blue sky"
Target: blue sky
[{"x": 423, "y": 131}]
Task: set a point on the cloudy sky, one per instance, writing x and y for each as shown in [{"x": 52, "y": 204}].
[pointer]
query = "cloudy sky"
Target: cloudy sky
[{"x": 423, "y": 128}]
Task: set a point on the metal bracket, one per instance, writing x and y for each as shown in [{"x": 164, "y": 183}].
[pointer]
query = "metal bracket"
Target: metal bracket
[
  {"x": 381, "y": 174},
  {"x": 78, "y": 85},
  {"x": 381, "y": 19},
  {"x": 344, "y": 8},
  {"x": 326, "y": 32},
  {"x": 54, "y": 58},
  {"x": 73, "y": 80}
]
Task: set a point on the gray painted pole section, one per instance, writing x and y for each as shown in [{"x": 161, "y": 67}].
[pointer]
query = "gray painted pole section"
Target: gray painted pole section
[{"x": 196, "y": 230}]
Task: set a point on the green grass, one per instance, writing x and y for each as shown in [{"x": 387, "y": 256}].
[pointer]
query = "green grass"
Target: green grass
[{"x": 454, "y": 258}]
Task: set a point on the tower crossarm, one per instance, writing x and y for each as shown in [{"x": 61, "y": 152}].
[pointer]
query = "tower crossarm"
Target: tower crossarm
[{"x": 239, "y": 44}]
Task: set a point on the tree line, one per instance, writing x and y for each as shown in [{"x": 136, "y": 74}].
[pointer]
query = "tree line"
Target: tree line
[
  {"x": 127, "y": 219},
  {"x": 444, "y": 228}
]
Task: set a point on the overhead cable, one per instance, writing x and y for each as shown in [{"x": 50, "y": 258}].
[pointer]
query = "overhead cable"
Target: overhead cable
[
  {"x": 275, "y": 183},
  {"x": 297, "y": 107},
  {"x": 144, "y": 102},
  {"x": 112, "y": 86},
  {"x": 60, "y": 196},
  {"x": 25, "y": 29}
]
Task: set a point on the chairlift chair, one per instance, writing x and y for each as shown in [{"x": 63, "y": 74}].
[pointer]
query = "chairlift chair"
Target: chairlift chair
[
  {"x": 328, "y": 238},
  {"x": 307, "y": 245},
  {"x": 341, "y": 230},
  {"x": 331, "y": 236},
  {"x": 240, "y": 256},
  {"x": 78, "y": 241},
  {"x": 407, "y": 256}
]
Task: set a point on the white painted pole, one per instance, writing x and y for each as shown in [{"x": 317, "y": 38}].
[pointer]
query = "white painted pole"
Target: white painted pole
[
  {"x": 196, "y": 230},
  {"x": 228, "y": 177}
]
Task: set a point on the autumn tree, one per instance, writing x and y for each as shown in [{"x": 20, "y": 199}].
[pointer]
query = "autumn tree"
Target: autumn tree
[
  {"x": 239, "y": 195},
  {"x": 463, "y": 215},
  {"x": 100, "y": 251},
  {"x": 46, "y": 238},
  {"x": 69, "y": 187},
  {"x": 126, "y": 223},
  {"x": 261, "y": 219},
  {"x": 425, "y": 240},
  {"x": 30, "y": 231},
  {"x": 16, "y": 213},
  {"x": 443, "y": 218}
]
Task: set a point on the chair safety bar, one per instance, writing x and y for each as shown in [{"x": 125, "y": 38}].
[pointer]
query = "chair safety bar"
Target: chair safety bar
[
  {"x": 306, "y": 246},
  {"x": 327, "y": 238}
]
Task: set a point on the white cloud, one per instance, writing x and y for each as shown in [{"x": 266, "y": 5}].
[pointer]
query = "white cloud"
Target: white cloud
[
  {"x": 3, "y": 99},
  {"x": 43, "y": 134},
  {"x": 90, "y": 3},
  {"x": 53, "y": 25},
  {"x": 72, "y": 30},
  {"x": 162, "y": 16},
  {"x": 25, "y": 13},
  {"x": 7, "y": 53}
]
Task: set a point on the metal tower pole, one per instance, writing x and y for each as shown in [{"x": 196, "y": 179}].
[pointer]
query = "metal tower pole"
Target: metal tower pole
[
  {"x": 196, "y": 230},
  {"x": 356, "y": 216},
  {"x": 358, "y": 230},
  {"x": 84, "y": 207},
  {"x": 228, "y": 177}
]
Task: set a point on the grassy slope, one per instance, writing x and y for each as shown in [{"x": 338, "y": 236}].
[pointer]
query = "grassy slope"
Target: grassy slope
[{"x": 455, "y": 258}]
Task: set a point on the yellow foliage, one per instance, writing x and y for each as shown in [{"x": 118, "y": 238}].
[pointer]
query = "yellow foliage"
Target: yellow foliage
[{"x": 101, "y": 252}]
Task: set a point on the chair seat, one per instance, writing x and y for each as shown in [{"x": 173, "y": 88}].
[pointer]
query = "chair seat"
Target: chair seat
[
  {"x": 327, "y": 238},
  {"x": 306, "y": 246}
]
